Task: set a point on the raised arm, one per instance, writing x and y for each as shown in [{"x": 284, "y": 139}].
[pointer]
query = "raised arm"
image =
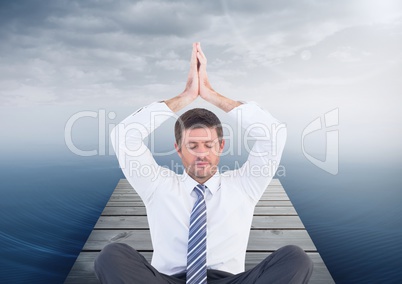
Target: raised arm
[
  {"x": 198, "y": 85},
  {"x": 269, "y": 135},
  {"x": 206, "y": 90},
  {"x": 191, "y": 91},
  {"x": 135, "y": 159}
]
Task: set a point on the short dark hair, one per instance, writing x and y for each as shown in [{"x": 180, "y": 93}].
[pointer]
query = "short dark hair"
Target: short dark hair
[{"x": 197, "y": 118}]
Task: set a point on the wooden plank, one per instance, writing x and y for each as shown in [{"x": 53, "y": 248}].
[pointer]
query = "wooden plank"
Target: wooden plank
[
  {"x": 274, "y": 182},
  {"x": 260, "y": 240},
  {"x": 276, "y": 222},
  {"x": 138, "y": 239},
  {"x": 140, "y": 211},
  {"x": 132, "y": 197},
  {"x": 275, "y": 211},
  {"x": 266, "y": 194},
  {"x": 271, "y": 240},
  {"x": 141, "y": 222},
  {"x": 124, "y": 211},
  {"x": 139, "y": 203},
  {"x": 129, "y": 189}
]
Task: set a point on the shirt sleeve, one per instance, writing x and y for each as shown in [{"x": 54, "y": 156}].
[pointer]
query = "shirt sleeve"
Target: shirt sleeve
[
  {"x": 135, "y": 158},
  {"x": 264, "y": 157}
]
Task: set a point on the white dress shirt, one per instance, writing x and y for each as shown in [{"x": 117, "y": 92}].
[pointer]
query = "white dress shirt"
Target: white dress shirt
[{"x": 169, "y": 198}]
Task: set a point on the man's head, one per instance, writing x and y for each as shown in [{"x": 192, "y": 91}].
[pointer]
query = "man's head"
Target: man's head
[{"x": 199, "y": 142}]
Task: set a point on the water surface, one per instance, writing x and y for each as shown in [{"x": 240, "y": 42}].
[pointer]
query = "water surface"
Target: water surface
[{"x": 50, "y": 203}]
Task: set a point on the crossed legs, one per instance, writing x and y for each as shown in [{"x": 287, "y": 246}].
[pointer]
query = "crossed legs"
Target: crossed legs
[{"x": 120, "y": 263}]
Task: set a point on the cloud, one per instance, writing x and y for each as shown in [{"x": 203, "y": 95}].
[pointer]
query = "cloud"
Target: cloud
[
  {"x": 145, "y": 18},
  {"x": 348, "y": 54},
  {"x": 298, "y": 59},
  {"x": 75, "y": 49},
  {"x": 82, "y": 52}
]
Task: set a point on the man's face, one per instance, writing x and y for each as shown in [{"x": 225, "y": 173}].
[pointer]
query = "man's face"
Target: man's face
[{"x": 200, "y": 152}]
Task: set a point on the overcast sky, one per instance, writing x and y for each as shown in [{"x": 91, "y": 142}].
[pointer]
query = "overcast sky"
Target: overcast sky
[{"x": 298, "y": 59}]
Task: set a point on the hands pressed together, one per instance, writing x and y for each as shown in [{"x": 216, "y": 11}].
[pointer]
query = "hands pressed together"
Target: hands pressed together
[
  {"x": 198, "y": 85},
  {"x": 197, "y": 81}
]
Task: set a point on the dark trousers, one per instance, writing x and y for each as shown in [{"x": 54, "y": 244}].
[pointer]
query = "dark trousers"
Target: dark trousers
[{"x": 120, "y": 263}]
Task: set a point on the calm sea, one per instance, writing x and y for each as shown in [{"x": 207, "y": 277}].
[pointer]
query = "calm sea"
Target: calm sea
[{"x": 49, "y": 204}]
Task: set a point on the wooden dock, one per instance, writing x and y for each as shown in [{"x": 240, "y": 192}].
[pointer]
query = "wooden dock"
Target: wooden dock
[{"x": 275, "y": 224}]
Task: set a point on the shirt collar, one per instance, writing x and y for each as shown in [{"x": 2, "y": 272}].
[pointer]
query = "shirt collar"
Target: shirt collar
[{"x": 213, "y": 184}]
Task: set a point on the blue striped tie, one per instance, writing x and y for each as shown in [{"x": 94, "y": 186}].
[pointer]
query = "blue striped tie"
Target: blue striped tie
[{"x": 197, "y": 240}]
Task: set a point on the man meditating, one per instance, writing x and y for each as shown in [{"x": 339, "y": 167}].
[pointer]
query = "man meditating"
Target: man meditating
[{"x": 199, "y": 220}]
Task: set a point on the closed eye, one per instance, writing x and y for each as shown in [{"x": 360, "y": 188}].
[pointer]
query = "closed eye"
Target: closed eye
[{"x": 191, "y": 146}]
